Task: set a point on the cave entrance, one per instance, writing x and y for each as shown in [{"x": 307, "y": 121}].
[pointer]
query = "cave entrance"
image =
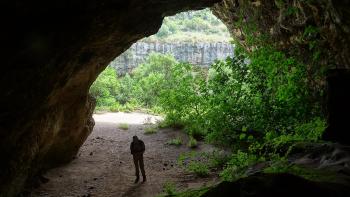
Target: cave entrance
[
  {"x": 131, "y": 96},
  {"x": 59, "y": 48},
  {"x": 198, "y": 117}
]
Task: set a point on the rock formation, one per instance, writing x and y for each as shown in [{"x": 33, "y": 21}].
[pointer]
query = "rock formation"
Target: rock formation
[
  {"x": 201, "y": 54},
  {"x": 54, "y": 50}
]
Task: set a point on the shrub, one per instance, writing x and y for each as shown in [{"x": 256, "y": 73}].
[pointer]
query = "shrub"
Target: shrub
[
  {"x": 237, "y": 165},
  {"x": 198, "y": 168},
  {"x": 169, "y": 188},
  {"x": 151, "y": 130},
  {"x": 218, "y": 159},
  {"x": 123, "y": 126},
  {"x": 192, "y": 143},
  {"x": 176, "y": 141},
  {"x": 115, "y": 107}
]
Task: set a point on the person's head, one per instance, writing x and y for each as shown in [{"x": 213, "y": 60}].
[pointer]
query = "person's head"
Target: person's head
[{"x": 135, "y": 138}]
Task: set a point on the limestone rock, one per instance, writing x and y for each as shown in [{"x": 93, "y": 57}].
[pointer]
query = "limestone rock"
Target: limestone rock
[{"x": 201, "y": 53}]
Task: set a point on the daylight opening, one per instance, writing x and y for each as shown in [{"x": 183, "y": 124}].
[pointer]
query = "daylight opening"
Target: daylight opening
[{"x": 206, "y": 108}]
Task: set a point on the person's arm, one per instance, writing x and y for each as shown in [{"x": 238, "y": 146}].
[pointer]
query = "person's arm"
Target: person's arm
[
  {"x": 131, "y": 148},
  {"x": 143, "y": 146}
]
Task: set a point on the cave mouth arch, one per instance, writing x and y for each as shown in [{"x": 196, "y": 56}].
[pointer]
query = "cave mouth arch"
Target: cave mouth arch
[
  {"x": 53, "y": 55},
  {"x": 55, "y": 51}
]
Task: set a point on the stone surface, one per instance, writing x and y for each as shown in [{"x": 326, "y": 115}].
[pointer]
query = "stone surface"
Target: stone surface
[
  {"x": 338, "y": 104},
  {"x": 276, "y": 185},
  {"x": 302, "y": 28},
  {"x": 201, "y": 53},
  {"x": 54, "y": 51}
]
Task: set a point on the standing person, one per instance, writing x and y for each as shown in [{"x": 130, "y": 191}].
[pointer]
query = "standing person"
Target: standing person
[{"x": 137, "y": 148}]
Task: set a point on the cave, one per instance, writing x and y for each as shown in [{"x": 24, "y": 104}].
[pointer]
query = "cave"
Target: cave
[{"x": 55, "y": 50}]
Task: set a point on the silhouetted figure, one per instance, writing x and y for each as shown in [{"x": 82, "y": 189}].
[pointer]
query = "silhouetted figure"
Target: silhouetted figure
[{"x": 137, "y": 148}]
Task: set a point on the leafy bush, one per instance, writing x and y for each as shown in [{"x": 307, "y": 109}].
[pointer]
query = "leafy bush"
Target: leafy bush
[
  {"x": 218, "y": 159},
  {"x": 151, "y": 130},
  {"x": 198, "y": 168},
  {"x": 105, "y": 87},
  {"x": 237, "y": 165},
  {"x": 192, "y": 143},
  {"x": 176, "y": 141},
  {"x": 123, "y": 126},
  {"x": 169, "y": 188}
]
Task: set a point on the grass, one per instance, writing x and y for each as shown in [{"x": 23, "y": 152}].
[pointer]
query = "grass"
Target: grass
[
  {"x": 198, "y": 168},
  {"x": 192, "y": 143},
  {"x": 169, "y": 188},
  {"x": 176, "y": 141},
  {"x": 151, "y": 130},
  {"x": 188, "y": 193},
  {"x": 123, "y": 126}
]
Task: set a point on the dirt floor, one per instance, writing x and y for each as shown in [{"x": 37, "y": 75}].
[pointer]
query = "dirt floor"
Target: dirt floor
[{"x": 104, "y": 164}]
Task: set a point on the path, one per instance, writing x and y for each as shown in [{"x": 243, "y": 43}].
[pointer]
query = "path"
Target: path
[{"x": 104, "y": 165}]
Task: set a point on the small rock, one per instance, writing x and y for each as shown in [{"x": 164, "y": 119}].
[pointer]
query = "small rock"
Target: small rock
[
  {"x": 91, "y": 187},
  {"x": 120, "y": 162},
  {"x": 95, "y": 179},
  {"x": 44, "y": 179},
  {"x": 163, "y": 168},
  {"x": 165, "y": 164},
  {"x": 91, "y": 153},
  {"x": 60, "y": 175}
]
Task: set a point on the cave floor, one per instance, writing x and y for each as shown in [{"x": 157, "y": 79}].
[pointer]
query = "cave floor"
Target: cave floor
[{"x": 104, "y": 166}]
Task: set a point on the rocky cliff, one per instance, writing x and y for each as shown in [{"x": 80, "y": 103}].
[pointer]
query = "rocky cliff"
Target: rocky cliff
[{"x": 202, "y": 54}]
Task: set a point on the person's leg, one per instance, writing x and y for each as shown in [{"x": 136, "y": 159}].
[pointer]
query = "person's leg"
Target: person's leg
[
  {"x": 137, "y": 172},
  {"x": 142, "y": 168}
]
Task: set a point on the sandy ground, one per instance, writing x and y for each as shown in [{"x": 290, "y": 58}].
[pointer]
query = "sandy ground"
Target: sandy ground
[{"x": 104, "y": 164}]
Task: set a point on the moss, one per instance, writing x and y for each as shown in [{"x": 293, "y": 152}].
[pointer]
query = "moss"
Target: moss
[{"x": 320, "y": 175}]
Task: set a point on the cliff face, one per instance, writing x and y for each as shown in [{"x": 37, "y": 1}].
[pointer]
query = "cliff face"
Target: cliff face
[{"x": 202, "y": 54}]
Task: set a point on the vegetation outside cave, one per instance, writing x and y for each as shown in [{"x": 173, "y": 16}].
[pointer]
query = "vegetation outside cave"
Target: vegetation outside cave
[{"x": 260, "y": 104}]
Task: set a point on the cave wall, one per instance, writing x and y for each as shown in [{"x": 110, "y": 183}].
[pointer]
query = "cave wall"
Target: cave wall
[
  {"x": 317, "y": 33},
  {"x": 54, "y": 51},
  {"x": 198, "y": 53}
]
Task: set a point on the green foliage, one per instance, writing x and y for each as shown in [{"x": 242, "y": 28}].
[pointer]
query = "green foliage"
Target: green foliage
[
  {"x": 123, "y": 126},
  {"x": 169, "y": 188},
  {"x": 281, "y": 165},
  {"x": 237, "y": 165},
  {"x": 198, "y": 168},
  {"x": 259, "y": 103},
  {"x": 105, "y": 87},
  {"x": 192, "y": 143},
  {"x": 218, "y": 159},
  {"x": 151, "y": 130},
  {"x": 243, "y": 99},
  {"x": 176, "y": 141},
  {"x": 192, "y": 192},
  {"x": 188, "y": 193},
  {"x": 199, "y": 25}
]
